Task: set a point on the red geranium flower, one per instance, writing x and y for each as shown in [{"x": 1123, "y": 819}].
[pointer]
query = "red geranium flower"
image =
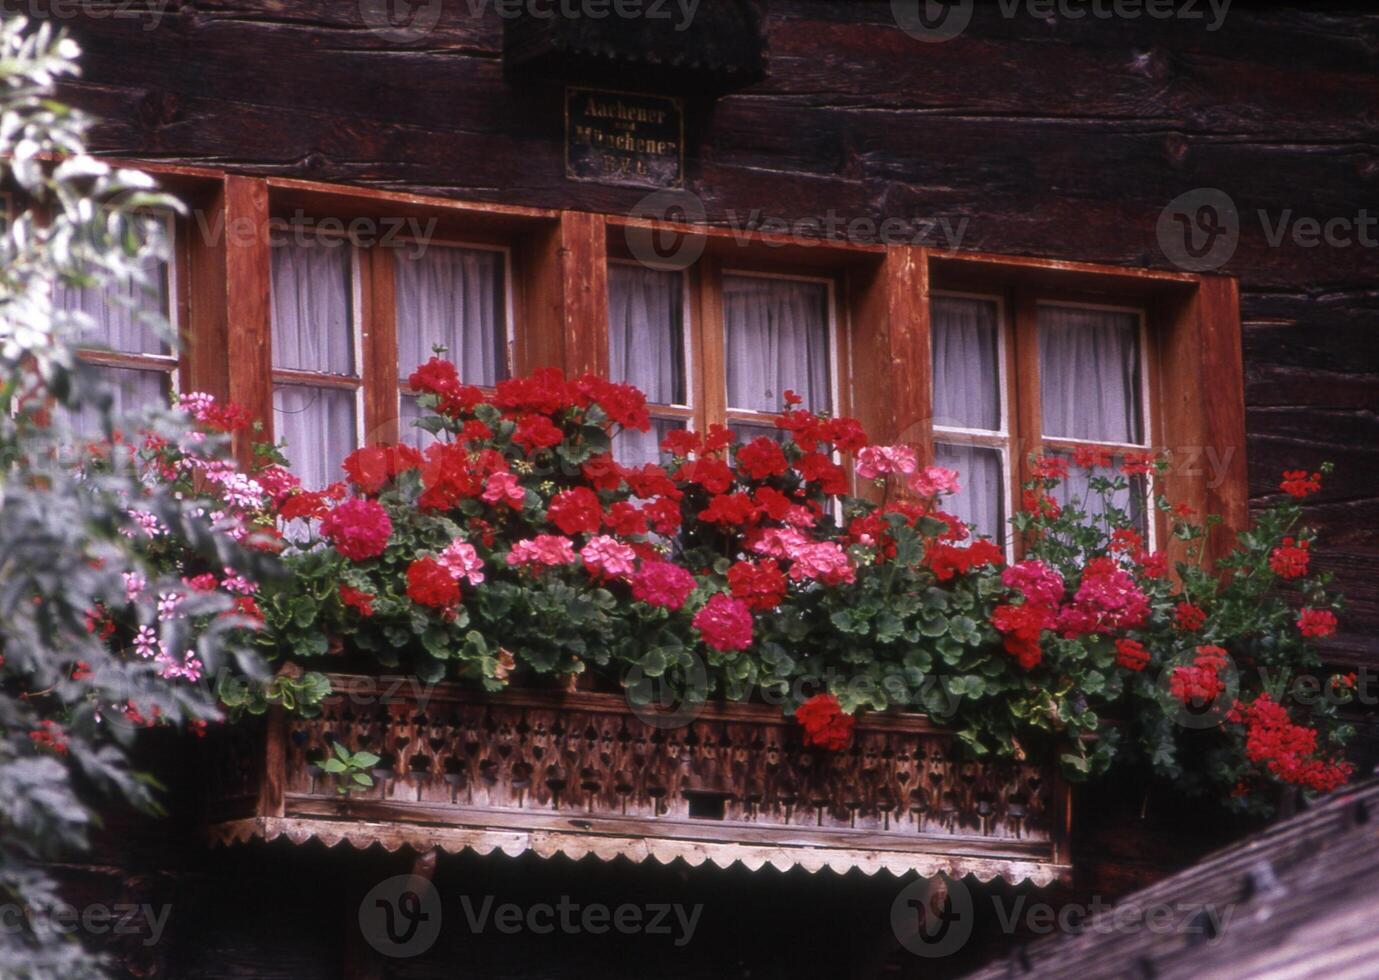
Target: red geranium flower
[
  {"x": 946, "y": 560},
  {"x": 429, "y": 583},
  {"x": 1296, "y": 483},
  {"x": 1131, "y": 655},
  {"x": 625, "y": 520},
  {"x": 1021, "y": 627},
  {"x": 1317, "y": 623},
  {"x": 372, "y": 467},
  {"x": 730, "y": 510},
  {"x": 603, "y": 472},
  {"x": 761, "y": 459},
  {"x": 711, "y": 473},
  {"x": 818, "y": 468},
  {"x": 760, "y": 584},
  {"x": 682, "y": 443},
  {"x": 357, "y": 599},
  {"x": 847, "y": 434},
  {"x": 1049, "y": 467},
  {"x": 536, "y": 432},
  {"x": 1289, "y": 560},
  {"x": 1188, "y": 617},
  {"x": 825, "y": 724},
  {"x": 576, "y": 511}
]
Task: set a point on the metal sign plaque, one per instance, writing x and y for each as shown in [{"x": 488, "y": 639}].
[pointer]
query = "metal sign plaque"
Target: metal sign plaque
[{"x": 624, "y": 138}]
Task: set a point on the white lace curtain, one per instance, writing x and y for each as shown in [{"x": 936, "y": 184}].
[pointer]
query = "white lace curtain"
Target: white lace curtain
[
  {"x": 119, "y": 322},
  {"x": 980, "y": 503},
  {"x": 452, "y": 297},
  {"x": 646, "y": 348},
  {"x": 967, "y": 377},
  {"x": 967, "y": 395},
  {"x": 118, "y": 312},
  {"x": 313, "y": 330},
  {"x": 776, "y": 338},
  {"x": 1089, "y": 374},
  {"x": 646, "y": 336}
]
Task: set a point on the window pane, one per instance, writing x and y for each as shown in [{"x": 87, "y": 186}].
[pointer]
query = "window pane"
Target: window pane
[
  {"x": 967, "y": 375},
  {"x": 1089, "y": 374},
  {"x": 318, "y": 425},
  {"x": 313, "y": 325},
  {"x": 776, "y": 338},
  {"x": 452, "y": 297},
  {"x": 646, "y": 332},
  {"x": 980, "y": 502},
  {"x": 747, "y": 431},
  {"x": 633, "y": 448},
  {"x": 133, "y": 391},
  {"x": 1076, "y": 491},
  {"x": 119, "y": 311}
]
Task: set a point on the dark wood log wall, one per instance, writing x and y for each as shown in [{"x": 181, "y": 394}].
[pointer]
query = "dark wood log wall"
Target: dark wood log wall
[{"x": 1054, "y": 137}]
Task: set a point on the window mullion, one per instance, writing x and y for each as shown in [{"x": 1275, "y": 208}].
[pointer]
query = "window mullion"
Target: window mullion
[{"x": 378, "y": 327}]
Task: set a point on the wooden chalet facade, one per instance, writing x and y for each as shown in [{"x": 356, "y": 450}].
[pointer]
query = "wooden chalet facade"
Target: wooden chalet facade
[{"x": 1022, "y": 172}]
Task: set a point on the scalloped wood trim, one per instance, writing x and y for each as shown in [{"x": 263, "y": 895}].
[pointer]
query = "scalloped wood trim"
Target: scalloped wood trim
[{"x": 547, "y": 843}]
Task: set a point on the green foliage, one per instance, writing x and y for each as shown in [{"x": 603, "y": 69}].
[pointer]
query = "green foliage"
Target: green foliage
[
  {"x": 73, "y": 692},
  {"x": 350, "y": 769}
]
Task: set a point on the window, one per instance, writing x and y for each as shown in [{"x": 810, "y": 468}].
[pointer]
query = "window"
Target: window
[
  {"x": 316, "y": 376},
  {"x": 1087, "y": 376},
  {"x": 121, "y": 338},
  {"x": 1092, "y": 393},
  {"x": 777, "y": 337},
  {"x": 451, "y": 297},
  {"x": 648, "y": 346},
  {"x": 971, "y": 407}
]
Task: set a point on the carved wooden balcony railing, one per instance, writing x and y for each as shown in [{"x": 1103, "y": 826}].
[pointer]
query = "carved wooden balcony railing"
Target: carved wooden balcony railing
[{"x": 582, "y": 773}]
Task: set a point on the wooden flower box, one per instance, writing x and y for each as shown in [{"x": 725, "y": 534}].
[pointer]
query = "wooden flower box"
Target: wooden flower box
[{"x": 580, "y": 773}]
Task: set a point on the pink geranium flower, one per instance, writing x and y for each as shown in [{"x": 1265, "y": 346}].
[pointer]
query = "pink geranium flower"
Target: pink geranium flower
[
  {"x": 544, "y": 549},
  {"x": 874, "y": 462}
]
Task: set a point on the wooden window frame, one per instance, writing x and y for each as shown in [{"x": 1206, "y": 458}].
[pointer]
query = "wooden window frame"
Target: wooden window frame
[
  {"x": 356, "y": 382},
  {"x": 719, "y": 252},
  {"x": 1192, "y": 385}
]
